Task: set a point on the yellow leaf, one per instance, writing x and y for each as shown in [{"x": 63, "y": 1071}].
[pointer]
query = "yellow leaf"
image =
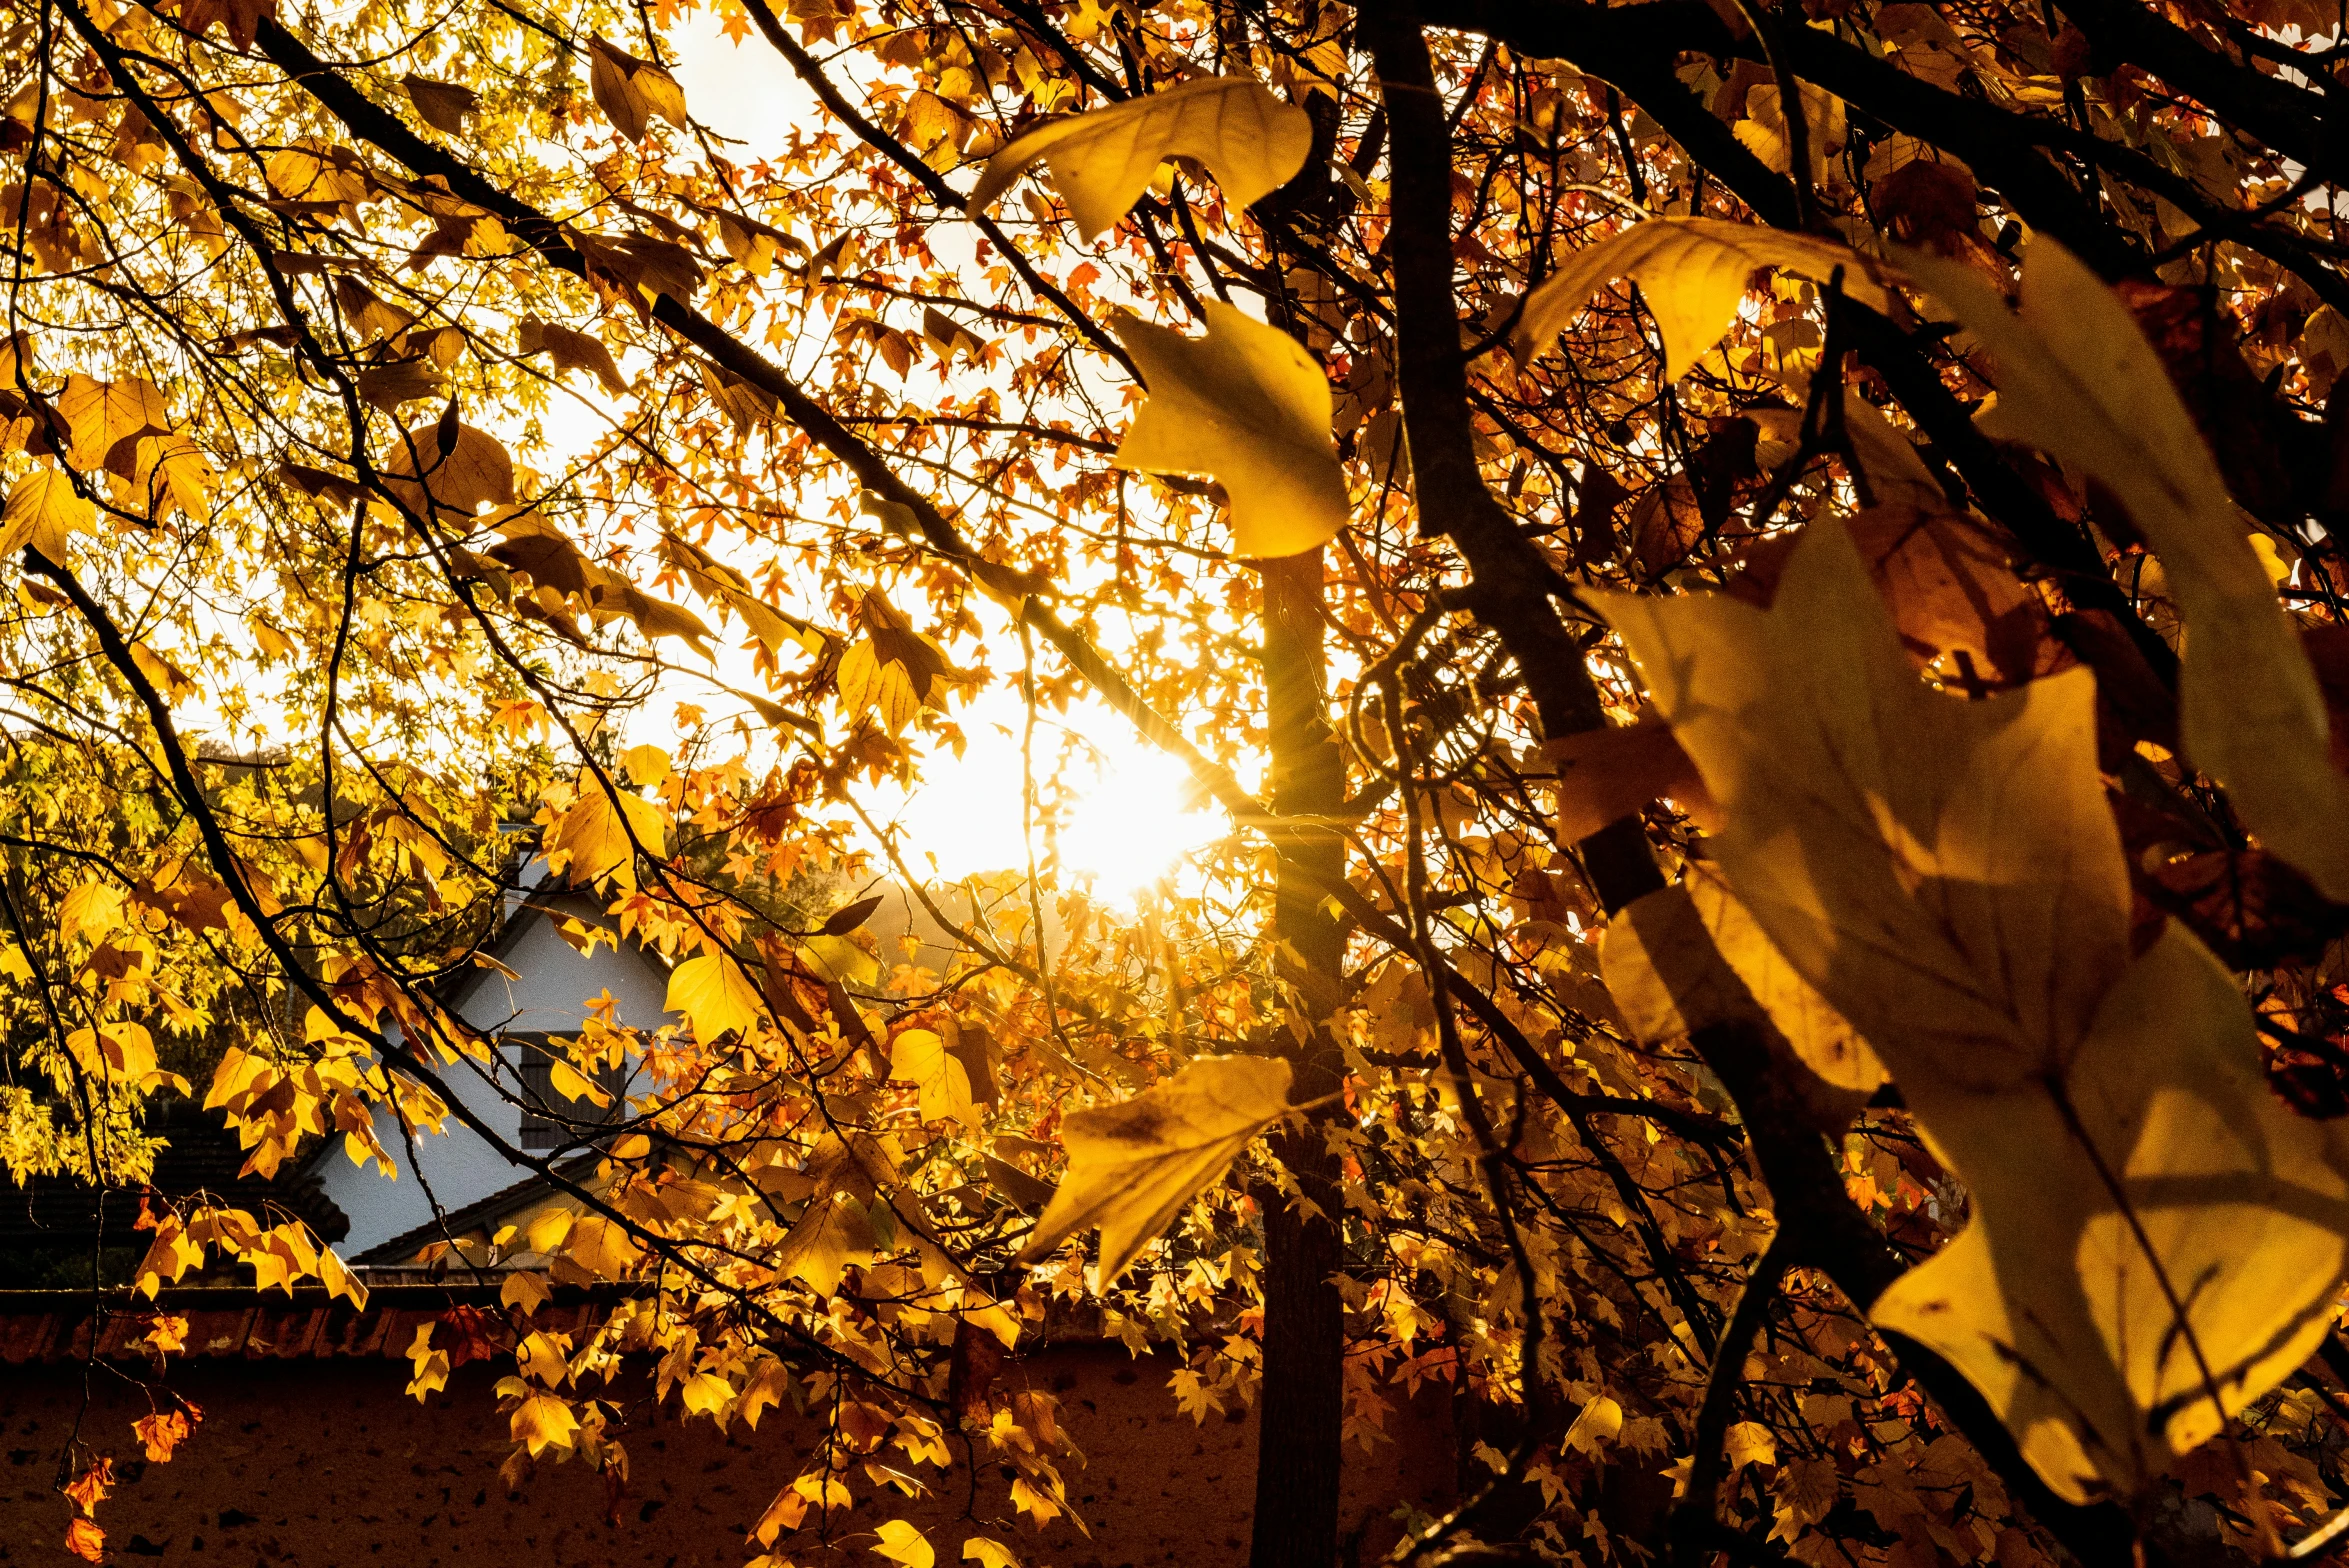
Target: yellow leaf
[
  {"x": 715, "y": 995},
  {"x": 174, "y": 473},
  {"x": 1599, "y": 1423},
  {"x": 838, "y": 958},
  {"x": 1692, "y": 273},
  {"x": 1103, "y": 161},
  {"x": 600, "y": 1246},
  {"x": 706, "y": 1394},
  {"x": 102, "y": 415},
  {"x": 2155, "y": 1239},
  {"x": 2076, "y": 377},
  {"x": 1134, "y": 1165},
  {"x": 542, "y": 1421},
  {"x": 168, "y": 679},
  {"x": 901, "y": 1542},
  {"x": 919, "y": 1057},
  {"x": 867, "y": 681},
  {"x": 541, "y": 1359},
  {"x": 571, "y": 1084},
  {"x": 547, "y": 1228},
  {"x": 632, "y": 91},
  {"x": 835, "y": 1231},
  {"x": 1684, "y": 958},
  {"x": 1248, "y": 406},
  {"x": 590, "y": 842},
  {"x": 43, "y": 511},
  {"x": 647, "y": 766},
  {"x": 475, "y": 472},
  {"x": 524, "y": 1292},
  {"x": 988, "y": 1554},
  {"x": 1750, "y": 1443}
]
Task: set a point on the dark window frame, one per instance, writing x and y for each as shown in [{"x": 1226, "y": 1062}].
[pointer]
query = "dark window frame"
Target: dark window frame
[{"x": 548, "y": 1120}]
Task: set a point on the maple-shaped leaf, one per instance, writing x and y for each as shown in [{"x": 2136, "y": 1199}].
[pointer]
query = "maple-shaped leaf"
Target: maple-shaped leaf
[
  {"x": 44, "y": 511},
  {"x": 590, "y": 841},
  {"x": 1692, "y": 273},
  {"x": 632, "y": 92},
  {"x": 920, "y": 1057},
  {"x": 716, "y": 995},
  {"x": 2076, "y": 377},
  {"x": 1102, "y": 162},
  {"x": 1247, "y": 406},
  {"x": 2155, "y": 1239},
  {"x": 1134, "y": 1165}
]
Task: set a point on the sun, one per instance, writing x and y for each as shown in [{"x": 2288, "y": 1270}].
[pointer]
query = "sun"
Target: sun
[{"x": 1131, "y": 824}]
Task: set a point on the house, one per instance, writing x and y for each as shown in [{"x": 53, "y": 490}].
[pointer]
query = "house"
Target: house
[{"x": 540, "y": 988}]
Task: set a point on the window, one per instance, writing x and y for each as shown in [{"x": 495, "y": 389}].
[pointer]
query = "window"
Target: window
[{"x": 548, "y": 1120}]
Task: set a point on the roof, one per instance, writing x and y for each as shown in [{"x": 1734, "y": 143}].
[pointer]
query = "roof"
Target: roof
[
  {"x": 199, "y": 1156},
  {"x": 477, "y": 1216},
  {"x": 231, "y": 1323}
]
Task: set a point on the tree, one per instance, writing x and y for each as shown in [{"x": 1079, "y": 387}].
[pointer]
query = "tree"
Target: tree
[{"x": 1789, "y": 947}]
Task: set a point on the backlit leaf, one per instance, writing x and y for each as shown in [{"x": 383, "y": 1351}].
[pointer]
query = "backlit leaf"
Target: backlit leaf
[
  {"x": 632, "y": 92},
  {"x": 44, "y": 512},
  {"x": 591, "y": 841},
  {"x": 1247, "y": 406},
  {"x": 544, "y": 1421},
  {"x": 2076, "y": 377},
  {"x": 902, "y": 1543},
  {"x": 2155, "y": 1239},
  {"x": 1103, "y": 161},
  {"x": 715, "y": 994},
  {"x": 920, "y": 1057},
  {"x": 1134, "y": 1165},
  {"x": 1692, "y": 273}
]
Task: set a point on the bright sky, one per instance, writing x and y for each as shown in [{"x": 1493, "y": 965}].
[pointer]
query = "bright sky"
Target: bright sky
[{"x": 1128, "y": 827}]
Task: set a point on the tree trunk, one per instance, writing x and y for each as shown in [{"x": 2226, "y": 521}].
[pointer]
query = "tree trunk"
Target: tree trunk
[{"x": 1301, "y": 1409}]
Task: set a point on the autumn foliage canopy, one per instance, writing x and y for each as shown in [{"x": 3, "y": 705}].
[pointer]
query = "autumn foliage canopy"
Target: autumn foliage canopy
[{"x": 1755, "y": 592}]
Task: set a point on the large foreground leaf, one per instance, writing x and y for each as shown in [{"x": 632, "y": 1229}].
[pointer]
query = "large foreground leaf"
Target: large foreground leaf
[
  {"x": 1103, "y": 161},
  {"x": 2077, "y": 377},
  {"x": 1133, "y": 1165},
  {"x": 2155, "y": 1239},
  {"x": 1248, "y": 406},
  {"x": 1692, "y": 273}
]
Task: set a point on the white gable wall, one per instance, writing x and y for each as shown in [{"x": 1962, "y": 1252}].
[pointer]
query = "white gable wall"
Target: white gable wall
[{"x": 553, "y": 985}]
